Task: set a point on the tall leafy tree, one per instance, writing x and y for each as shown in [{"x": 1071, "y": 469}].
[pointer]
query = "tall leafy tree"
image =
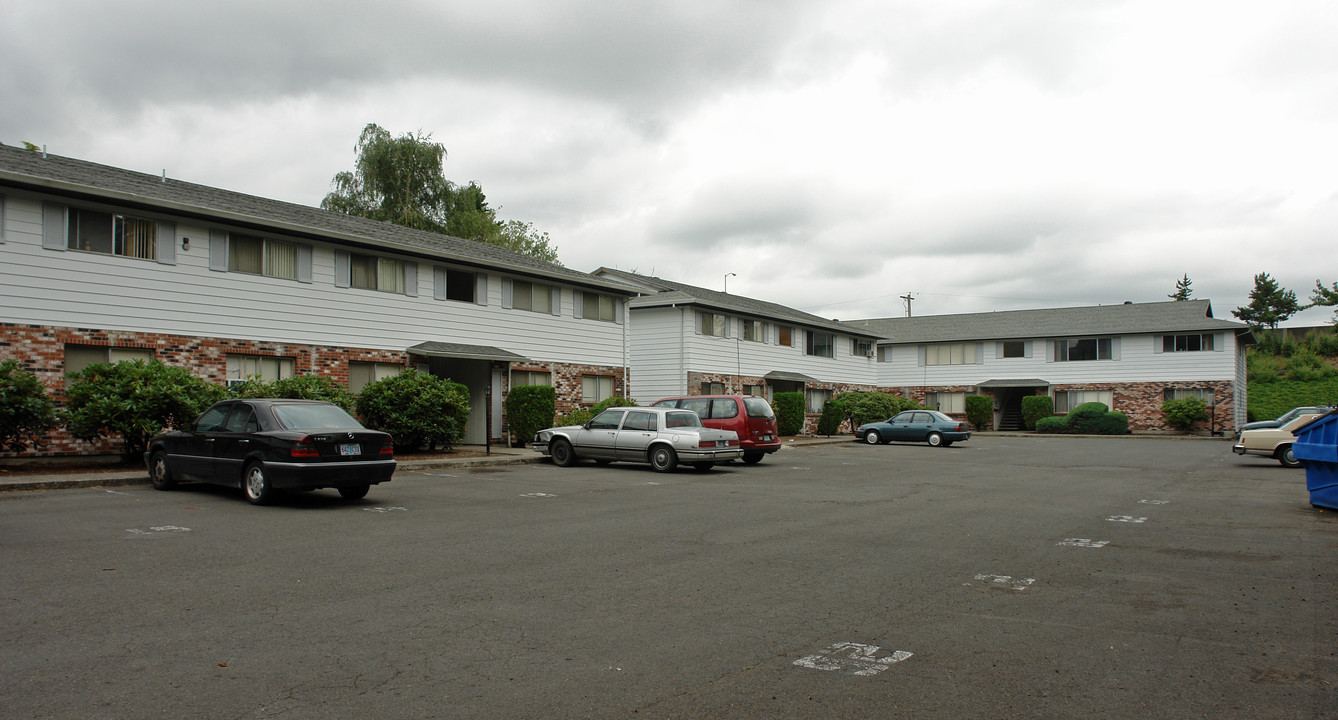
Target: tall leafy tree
[
  {"x": 1269, "y": 305},
  {"x": 1182, "y": 289},
  {"x": 402, "y": 180}
]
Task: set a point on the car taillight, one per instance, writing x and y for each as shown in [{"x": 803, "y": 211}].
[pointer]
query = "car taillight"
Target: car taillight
[
  {"x": 961, "y": 427},
  {"x": 388, "y": 449},
  {"x": 303, "y": 447}
]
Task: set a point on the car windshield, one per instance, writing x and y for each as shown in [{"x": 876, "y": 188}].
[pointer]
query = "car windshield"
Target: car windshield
[
  {"x": 758, "y": 408},
  {"x": 314, "y": 417},
  {"x": 682, "y": 419}
]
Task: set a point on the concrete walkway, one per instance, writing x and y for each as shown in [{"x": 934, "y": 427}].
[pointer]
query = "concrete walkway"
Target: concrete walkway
[{"x": 499, "y": 456}]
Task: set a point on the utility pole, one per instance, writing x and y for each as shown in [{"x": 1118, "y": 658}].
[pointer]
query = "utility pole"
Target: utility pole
[{"x": 908, "y": 297}]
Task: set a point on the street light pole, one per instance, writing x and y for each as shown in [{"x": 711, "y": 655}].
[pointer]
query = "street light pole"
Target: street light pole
[{"x": 727, "y": 276}]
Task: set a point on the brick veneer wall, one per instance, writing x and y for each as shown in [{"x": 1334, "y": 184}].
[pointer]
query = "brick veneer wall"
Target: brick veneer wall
[{"x": 41, "y": 350}]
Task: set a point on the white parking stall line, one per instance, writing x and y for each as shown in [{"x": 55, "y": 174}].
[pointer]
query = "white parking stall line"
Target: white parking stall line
[
  {"x": 1005, "y": 581},
  {"x": 853, "y": 658},
  {"x": 537, "y": 495},
  {"x": 1153, "y": 502},
  {"x": 1126, "y": 519},
  {"x": 386, "y": 509},
  {"x": 157, "y": 531},
  {"x": 1083, "y": 542}
]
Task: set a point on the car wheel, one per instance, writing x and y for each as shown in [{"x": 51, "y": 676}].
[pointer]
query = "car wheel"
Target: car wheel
[
  {"x": 563, "y": 456},
  {"x": 663, "y": 458},
  {"x": 160, "y": 476},
  {"x": 934, "y": 439},
  {"x": 256, "y": 485},
  {"x": 354, "y": 492},
  {"x": 1285, "y": 456},
  {"x": 702, "y": 466},
  {"x": 872, "y": 437},
  {"x": 753, "y": 458}
]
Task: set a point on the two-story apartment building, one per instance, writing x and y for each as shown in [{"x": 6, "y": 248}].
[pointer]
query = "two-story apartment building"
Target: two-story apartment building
[
  {"x": 1131, "y": 357},
  {"x": 690, "y": 340},
  {"x": 103, "y": 264}
]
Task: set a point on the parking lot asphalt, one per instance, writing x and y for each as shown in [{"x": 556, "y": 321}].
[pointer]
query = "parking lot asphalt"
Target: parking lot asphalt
[{"x": 1007, "y": 576}]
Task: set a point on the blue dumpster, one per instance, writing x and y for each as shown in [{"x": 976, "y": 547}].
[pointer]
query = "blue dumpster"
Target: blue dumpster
[{"x": 1317, "y": 446}]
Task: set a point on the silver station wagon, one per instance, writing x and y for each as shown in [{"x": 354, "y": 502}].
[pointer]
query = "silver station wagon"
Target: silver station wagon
[{"x": 663, "y": 437}]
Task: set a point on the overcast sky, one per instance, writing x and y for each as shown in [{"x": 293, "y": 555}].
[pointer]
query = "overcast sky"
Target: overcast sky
[{"x": 981, "y": 155}]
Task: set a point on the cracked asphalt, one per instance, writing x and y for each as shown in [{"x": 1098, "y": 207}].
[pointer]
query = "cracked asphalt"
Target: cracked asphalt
[{"x": 1005, "y": 576}]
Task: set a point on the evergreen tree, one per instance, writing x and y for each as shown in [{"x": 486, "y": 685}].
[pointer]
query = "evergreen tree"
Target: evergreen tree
[
  {"x": 1182, "y": 291},
  {"x": 1269, "y": 305}
]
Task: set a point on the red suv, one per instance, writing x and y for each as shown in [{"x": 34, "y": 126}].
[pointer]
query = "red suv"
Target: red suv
[{"x": 748, "y": 416}]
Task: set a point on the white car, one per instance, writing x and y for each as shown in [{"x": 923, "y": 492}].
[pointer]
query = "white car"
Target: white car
[
  {"x": 662, "y": 437},
  {"x": 1275, "y": 442}
]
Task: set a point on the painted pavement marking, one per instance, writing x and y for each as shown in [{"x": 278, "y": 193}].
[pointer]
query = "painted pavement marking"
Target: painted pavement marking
[
  {"x": 1083, "y": 542},
  {"x": 854, "y": 658},
  {"x": 1153, "y": 502},
  {"x": 1008, "y": 581},
  {"x": 537, "y": 495},
  {"x": 157, "y": 531},
  {"x": 1126, "y": 519},
  {"x": 385, "y": 509}
]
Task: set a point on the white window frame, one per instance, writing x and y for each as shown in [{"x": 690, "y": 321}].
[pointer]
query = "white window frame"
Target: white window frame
[
  {"x": 951, "y": 354},
  {"x": 825, "y": 349},
  {"x": 1066, "y": 400},
  {"x": 267, "y": 368},
  {"x": 815, "y": 399},
  {"x": 596, "y": 388},
  {"x": 271, "y": 264},
  {"x": 1105, "y": 349},
  {"x": 77, "y": 357},
  {"x": 363, "y": 373},
  {"x": 946, "y": 402},
  {"x": 531, "y": 377}
]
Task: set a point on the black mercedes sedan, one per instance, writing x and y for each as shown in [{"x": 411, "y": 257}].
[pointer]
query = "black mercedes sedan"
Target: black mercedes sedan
[{"x": 265, "y": 446}]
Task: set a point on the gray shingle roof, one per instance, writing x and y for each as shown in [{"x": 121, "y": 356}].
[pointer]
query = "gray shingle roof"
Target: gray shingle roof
[
  {"x": 1126, "y": 319},
  {"x": 661, "y": 292},
  {"x": 90, "y": 181}
]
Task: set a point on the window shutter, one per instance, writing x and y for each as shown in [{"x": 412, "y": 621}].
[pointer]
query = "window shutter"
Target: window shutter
[
  {"x": 218, "y": 250},
  {"x": 506, "y": 293},
  {"x": 1049, "y": 351},
  {"x": 53, "y": 226},
  {"x": 699, "y": 320},
  {"x": 411, "y": 278},
  {"x": 438, "y": 282},
  {"x": 555, "y": 300},
  {"x": 1158, "y": 344},
  {"x": 980, "y": 353},
  {"x": 481, "y": 288},
  {"x": 1026, "y": 349},
  {"x": 1114, "y": 348},
  {"x": 920, "y": 355},
  {"x": 998, "y": 350},
  {"x": 2, "y": 218},
  {"x": 166, "y": 242},
  {"x": 1218, "y": 344},
  {"x": 618, "y": 310},
  {"x": 578, "y": 304},
  {"x": 342, "y": 269},
  {"x": 304, "y": 263}
]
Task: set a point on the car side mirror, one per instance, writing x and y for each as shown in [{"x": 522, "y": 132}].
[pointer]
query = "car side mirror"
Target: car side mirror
[{"x": 587, "y": 424}]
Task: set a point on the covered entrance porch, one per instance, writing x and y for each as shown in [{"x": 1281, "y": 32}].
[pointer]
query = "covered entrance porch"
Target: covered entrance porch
[
  {"x": 1008, "y": 394},
  {"x": 480, "y": 368}
]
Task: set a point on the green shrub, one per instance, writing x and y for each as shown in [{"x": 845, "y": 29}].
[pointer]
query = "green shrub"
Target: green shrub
[
  {"x": 1325, "y": 344},
  {"x": 417, "y": 409},
  {"x": 1086, "y": 418},
  {"x": 27, "y": 412},
  {"x": 1112, "y": 423},
  {"x": 135, "y": 400},
  {"x": 301, "y": 387},
  {"x": 612, "y": 402},
  {"x": 833, "y": 412},
  {"x": 1036, "y": 407},
  {"x": 789, "y": 408},
  {"x": 876, "y": 406},
  {"x": 529, "y": 409},
  {"x": 1051, "y": 424},
  {"x": 1182, "y": 414},
  {"x": 578, "y": 416},
  {"x": 1264, "y": 368},
  {"x": 980, "y": 411},
  {"x": 1269, "y": 400}
]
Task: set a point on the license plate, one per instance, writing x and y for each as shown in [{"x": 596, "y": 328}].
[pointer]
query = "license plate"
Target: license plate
[
  {"x": 766, "y": 438},
  {"x": 350, "y": 449}
]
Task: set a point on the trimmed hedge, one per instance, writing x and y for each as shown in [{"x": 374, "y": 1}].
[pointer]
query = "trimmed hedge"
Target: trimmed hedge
[
  {"x": 582, "y": 416},
  {"x": 1092, "y": 418},
  {"x": 980, "y": 411},
  {"x": 1035, "y": 408},
  {"x": 529, "y": 409},
  {"x": 789, "y": 408},
  {"x": 833, "y": 412},
  {"x": 300, "y": 387}
]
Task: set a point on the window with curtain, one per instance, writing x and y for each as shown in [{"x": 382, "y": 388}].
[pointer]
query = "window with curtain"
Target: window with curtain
[
  {"x": 1066, "y": 400},
  {"x": 817, "y": 399},
  {"x": 951, "y": 354},
  {"x": 532, "y": 296},
  {"x": 111, "y": 233},
  {"x": 753, "y": 330},
  {"x": 269, "y": 369},
  {"x": 78, "y": 357},
  {"x": 362, "y": 374},
  {"x": 713, "y": 324},
  {"x": 262, "y": 256},
  {"x": 530, "y": 377},
  {"x": 595, "y": 388},
  {"x": 946, "y": 402},
  {"x": 374, "y": 273}
]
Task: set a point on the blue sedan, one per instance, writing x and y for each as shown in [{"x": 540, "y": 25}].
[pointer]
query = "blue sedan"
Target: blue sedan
[{"x": 928, "y": 426}]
